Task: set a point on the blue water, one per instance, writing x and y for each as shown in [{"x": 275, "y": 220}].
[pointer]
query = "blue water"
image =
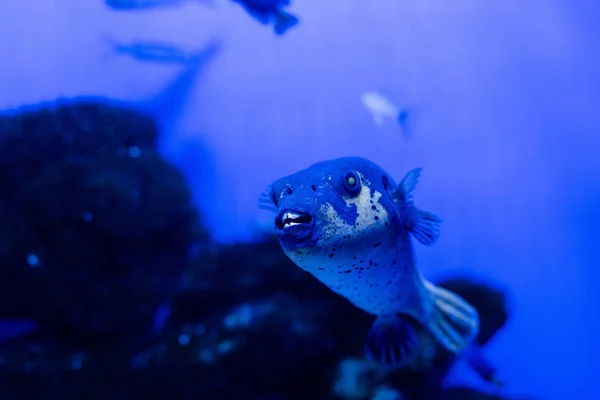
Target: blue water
[{"x": 507, "y": 100}]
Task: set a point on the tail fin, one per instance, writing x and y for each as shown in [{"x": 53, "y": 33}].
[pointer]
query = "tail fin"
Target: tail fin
[
  {"x": 454, "y": 323},
  {"x": 405, "y": 120},
  {"x": 284, "y": 21}
]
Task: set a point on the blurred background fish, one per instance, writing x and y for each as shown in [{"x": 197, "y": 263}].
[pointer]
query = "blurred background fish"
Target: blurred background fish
[
  {"x": 270, "y": 11},
  {"x": 122, "y": 5},
  {"x": 155, "y": 52}
]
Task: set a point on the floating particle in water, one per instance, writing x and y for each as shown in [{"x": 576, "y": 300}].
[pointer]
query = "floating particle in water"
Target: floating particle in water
[
  {"x": 77, "y": 361},
  {"x": 225, "y": 346},
  {"x": 200, "y": 329},
  {"x": 183, "y": 340},
  {"x": 206, "y": 356},
  {"x": 385, "y": 392},
  {"x": 134, "y": 152},
  {"x": 33, "y": 260},
  {"x": 161, "y": 317},
  {"x": 87, "y": 216},
  {"x": 246, "y": 315},
  {"x": 141, "y": 360},
  {"x": 135, "y": 194},
  {"x": 358, "y": 378},
  {"x": 240, "y": 317}
]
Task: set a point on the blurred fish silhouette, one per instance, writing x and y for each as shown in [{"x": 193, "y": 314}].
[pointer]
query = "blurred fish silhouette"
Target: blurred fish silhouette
[
  {"x": 155, "y": 52},
  {"x": 381, "y": 108},
  {"x": 150, "y": 4},
  {"x": 267, "y": 11}
]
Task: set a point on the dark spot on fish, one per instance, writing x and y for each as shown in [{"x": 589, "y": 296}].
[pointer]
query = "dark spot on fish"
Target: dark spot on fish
[
  {"x": 388, "y": 283},
  {"x": 371, "y": 285},
  {"x": 385, "y": 181},
  {"x": 314, "y": 188},
  {"x": 370, "y": 262},
  {"x": 361, "y": 268},
  {"x": 331, "y": 255},
  {"x": 347, "y": 271},
  {"x": 376, "y": 218},
  {"x": 377, "y": 244},
  {"x": 373, "y": 207},
  {"x": 361, "y": 261},
  {"x": 289, "y": 190},
  {"x": 354, "y": 258},
  {"x": 299, "y": 252},
  {"x": 321, "y": 269},
  {"x": 386, "y": 224},
  {"x": 393, "y": 262},
  {"x": 354, "y": 265},
  {"x": 374, "y": 264},
  {"x": 355, "y": 288},
  {"x": 339, "y": 266}
]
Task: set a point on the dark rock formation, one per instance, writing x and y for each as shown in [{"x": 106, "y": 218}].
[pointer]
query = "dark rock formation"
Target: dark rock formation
[{"x": 95, "y": 226}]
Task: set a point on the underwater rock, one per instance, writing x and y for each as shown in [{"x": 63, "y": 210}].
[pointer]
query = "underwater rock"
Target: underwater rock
[
  {"x": 95, "y": 226},
  {"x": 246, "y": 325}
]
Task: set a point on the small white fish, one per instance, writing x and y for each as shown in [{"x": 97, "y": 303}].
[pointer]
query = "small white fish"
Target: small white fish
[{"x": 380, "y": 108}]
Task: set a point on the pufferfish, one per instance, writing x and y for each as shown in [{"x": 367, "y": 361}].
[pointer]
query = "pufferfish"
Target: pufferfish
[{"x": 349, "y": 224}]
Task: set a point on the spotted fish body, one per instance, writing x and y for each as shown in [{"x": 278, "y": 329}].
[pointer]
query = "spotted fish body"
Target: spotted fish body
[
  {"x": 373, "y": 269},
  {"x": 347, "y": 223}
]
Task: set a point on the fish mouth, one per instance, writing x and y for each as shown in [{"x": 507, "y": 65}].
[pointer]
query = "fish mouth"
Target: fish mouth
[{"x": 294, "y": 223}]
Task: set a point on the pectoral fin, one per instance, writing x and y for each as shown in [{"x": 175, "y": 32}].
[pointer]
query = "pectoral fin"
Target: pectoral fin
[
  {"x": 423, "y": 225},
  {"x": 392, "y": 341},
  {"x": 265, "y": 200}
]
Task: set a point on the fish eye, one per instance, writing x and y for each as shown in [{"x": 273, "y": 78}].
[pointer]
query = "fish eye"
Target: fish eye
[{"x": 351, "y": 182}]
